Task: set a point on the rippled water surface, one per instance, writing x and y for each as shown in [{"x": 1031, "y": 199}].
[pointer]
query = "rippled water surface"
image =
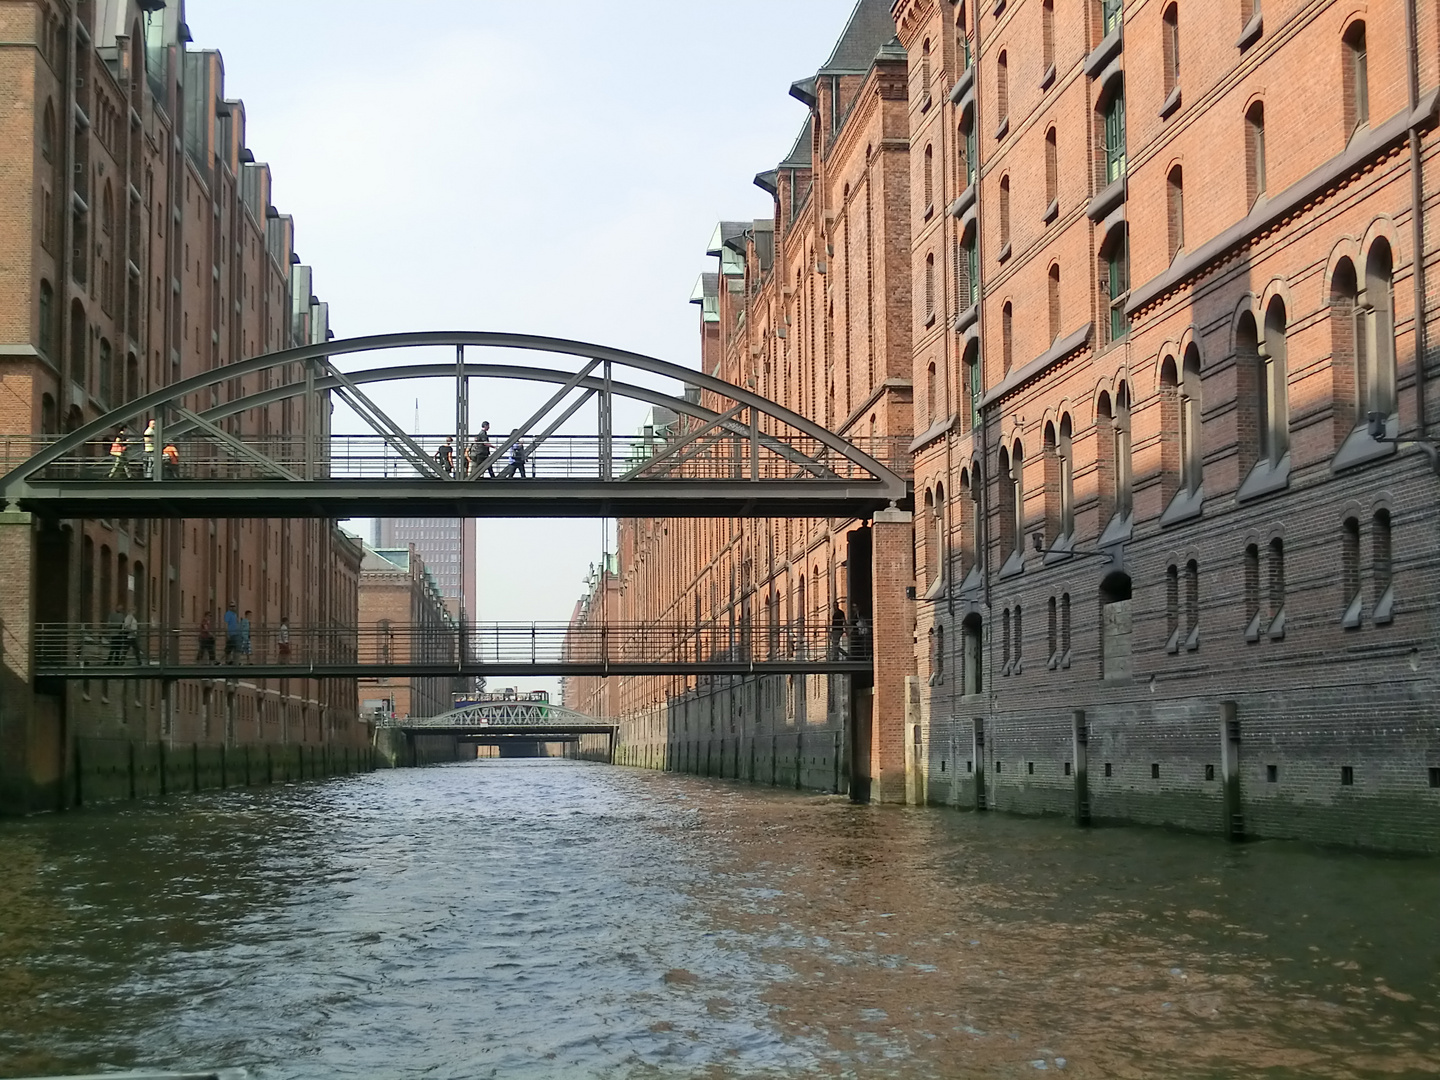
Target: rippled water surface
[{"x": 552, "y": 918}]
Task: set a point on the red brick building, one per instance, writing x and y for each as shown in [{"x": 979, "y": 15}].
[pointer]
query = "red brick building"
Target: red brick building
[
  {"x": 404, "y": 619},
  {"x": 139, "y": 245},
  {"x": 1161, "y": 261}
]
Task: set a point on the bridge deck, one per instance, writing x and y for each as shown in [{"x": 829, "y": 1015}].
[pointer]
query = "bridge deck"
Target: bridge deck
[{"x": 496, "y": 650}]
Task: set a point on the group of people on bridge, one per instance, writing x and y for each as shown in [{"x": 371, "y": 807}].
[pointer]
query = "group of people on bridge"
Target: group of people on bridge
[
  {"x": 135, "y": 461},
  {"x": 476, "y": 457}
]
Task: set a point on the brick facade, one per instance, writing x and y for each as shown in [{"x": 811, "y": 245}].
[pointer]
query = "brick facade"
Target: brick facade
[
  {"x": 1161, "y": 264},
  {"x": 402, "y": 604},
  {"x": 139, "y": 246}
]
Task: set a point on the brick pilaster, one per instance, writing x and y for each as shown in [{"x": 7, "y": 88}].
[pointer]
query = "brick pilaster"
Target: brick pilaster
[{"x": 893, "y": 571}]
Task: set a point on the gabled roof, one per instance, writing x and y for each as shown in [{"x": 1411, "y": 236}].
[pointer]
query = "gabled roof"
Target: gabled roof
[
  {"x": 869, "y": 29},
  {"x": 725, "y": 231},
  {"x": 799, "y": 156}
]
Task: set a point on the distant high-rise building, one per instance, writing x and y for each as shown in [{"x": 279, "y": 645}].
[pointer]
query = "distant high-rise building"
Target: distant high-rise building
[{"x": 447, "y": 547}]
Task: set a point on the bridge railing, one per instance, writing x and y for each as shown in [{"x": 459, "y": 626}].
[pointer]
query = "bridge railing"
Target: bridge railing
[
  {"x": 373, "y": 457},
  {"x": 68, "y": 647}
]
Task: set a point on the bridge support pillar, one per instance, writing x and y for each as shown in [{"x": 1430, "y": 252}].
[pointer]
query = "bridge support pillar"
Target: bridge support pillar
[
  {"x": 893, "y": 648},
  {"x": 28, "y": 763}
]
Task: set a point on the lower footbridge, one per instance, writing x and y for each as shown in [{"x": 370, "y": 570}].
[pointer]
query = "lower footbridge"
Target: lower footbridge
[
  {"x": 508, "y": 724},
  {"x": 115, "y": 650}
]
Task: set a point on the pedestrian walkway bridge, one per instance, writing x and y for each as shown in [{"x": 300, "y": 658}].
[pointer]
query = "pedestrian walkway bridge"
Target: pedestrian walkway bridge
[
  {"x": 728, "y": 452},
  {"x": 108, "y": 651}
]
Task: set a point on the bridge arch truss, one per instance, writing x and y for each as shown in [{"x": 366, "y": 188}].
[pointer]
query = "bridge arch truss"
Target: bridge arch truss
[{"x": 729, "y": 452}]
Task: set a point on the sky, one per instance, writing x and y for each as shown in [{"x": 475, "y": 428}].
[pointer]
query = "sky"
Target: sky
[{"x": 551, "y": 168}]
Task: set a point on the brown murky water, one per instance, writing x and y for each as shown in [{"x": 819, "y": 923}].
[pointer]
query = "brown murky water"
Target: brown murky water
[{"x": 551, "y": 918}]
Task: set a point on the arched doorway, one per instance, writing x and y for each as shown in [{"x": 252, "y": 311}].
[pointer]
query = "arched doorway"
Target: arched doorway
[{"x": 1115, "y": 626}]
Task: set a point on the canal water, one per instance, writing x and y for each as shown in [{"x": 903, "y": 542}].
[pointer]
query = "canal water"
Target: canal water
[{"x": 563, "y": 919}]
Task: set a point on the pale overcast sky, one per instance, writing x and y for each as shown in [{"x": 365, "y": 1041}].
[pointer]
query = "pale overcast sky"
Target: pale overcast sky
[{"x": 551, "y": 168}]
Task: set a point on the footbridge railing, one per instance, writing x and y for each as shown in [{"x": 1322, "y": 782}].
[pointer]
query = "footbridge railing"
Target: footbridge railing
[{"x": 117, "y": 650}]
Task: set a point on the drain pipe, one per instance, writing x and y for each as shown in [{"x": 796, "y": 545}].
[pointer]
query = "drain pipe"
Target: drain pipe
[{"x": 1417, "y": 217}]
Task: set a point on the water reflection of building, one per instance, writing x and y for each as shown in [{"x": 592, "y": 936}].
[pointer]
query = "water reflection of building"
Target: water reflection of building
[{"x": 1162, "y": 572}]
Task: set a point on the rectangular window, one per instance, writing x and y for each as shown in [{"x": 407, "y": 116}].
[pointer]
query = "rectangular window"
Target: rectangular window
[
  {"x": 1347, "y": 776},
  {"x": 1111, "y": 11}
]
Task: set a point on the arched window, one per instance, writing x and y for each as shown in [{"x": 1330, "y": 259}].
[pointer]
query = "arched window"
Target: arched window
[
  {"x": 1112, "y": 112},
  {"x": 1272, "y": 389},
  {"x": 1110, "y": 14},
  {"x": 927, "y": 560},
  {"x": 973, "y": 389},
  {"x": 925, "y": 75},
  {"x": 1175, "y": 211},
  {"x": 1053, "y": 296},
  {"x": 1004, "y": 215},
  {"x": 968, "y": 158},
  {"x": 1172, "y": 608},
  {"x": 1047, "y": 38},
  {"x": 47, "y": 321},
  {"x": 47, "y": 135},
  {"x": 1065, "y": 459},
  {"x": 939, "y": 532},
  {"x": 1191, "y": 443},
  {"x": 970, "y": 518},
  {"x": 87, "y": 580},
  {"x": 106, "y": 373},
  {"x": 49, "y": 418},
  {"x": 968, "y": 270},
  {"x": 1002, "y": 90},
  {"x": 1253, "y": 614},
  {"x": 1052, "y": 176},
  {"x": 1052, "y": 633},
  {"x": 132, "y": 377},
  {"x": 929, "y": 289},
  {"x": 1115, "y": 256},
  {"x": 105, "y": 595},
  {"x": 1115, "y": 625},
  {"x": 1276, "y": 590},
  {"x": 1170, "y": 47},
  {"x": 1254, "y": 153},
  {"x": 1383, "y": 568},
  {"x": 107, "y": 261},
  {"x": 1349, "y": 396},
  {"x": 972, "y": 655},
  {"x": 1192, "y": 605},
  {"x": 932, "y": 399},
  {"x": 1355, "y": 78},
  {"x": 962, "y": 37},
  {"x": 1007, "y": 336},
  {"x": 1351, "y": 600},
  {"x": 1012, "y": 479},
  {"x": 79, "y": 342},
  {"x": 928, "y": 180},
  {"x": 1375, "y": 333}
]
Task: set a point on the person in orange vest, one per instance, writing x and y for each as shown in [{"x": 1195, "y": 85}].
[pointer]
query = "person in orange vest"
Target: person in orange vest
[
  {"x": 118, "y": 449},
  {"x": 172, "y": 460}
]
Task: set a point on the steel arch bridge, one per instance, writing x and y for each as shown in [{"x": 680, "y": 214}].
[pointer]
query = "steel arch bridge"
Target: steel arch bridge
[
  {"x": 481, "y": 714},
  {"x": 729, "y": 452},
  {"x": 496, "y": 723}
]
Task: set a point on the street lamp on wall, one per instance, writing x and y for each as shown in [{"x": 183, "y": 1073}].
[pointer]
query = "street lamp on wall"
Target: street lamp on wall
[
  {"x": 1037, "y": 541},
  {"x": 1378, "y": 423}
]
